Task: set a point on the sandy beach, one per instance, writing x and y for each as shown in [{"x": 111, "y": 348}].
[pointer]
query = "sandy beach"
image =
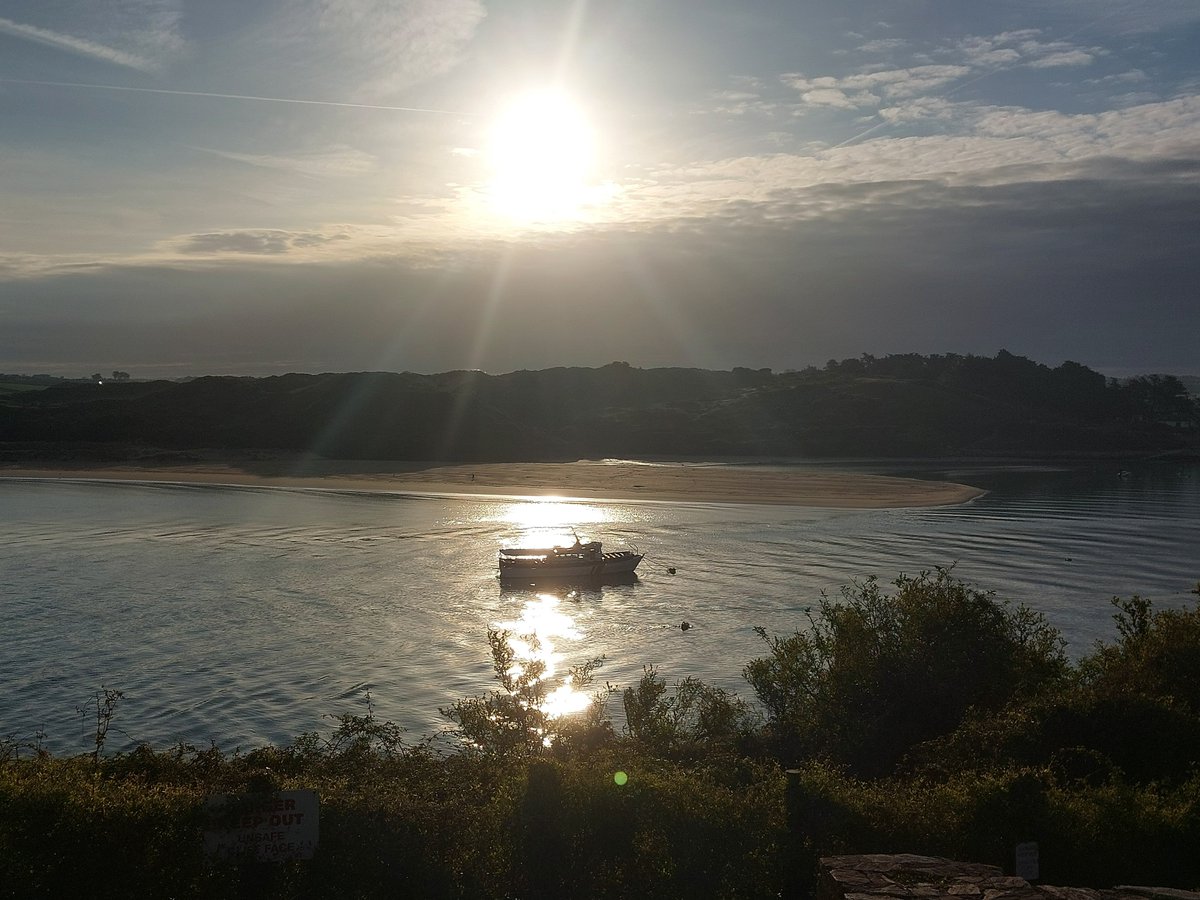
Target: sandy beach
[{"x": 609, "y": 480}]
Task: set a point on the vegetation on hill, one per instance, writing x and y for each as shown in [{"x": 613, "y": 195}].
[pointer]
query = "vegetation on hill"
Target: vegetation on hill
[
  {"x": 900, "y": 405},
  {"x": 933, "y": 719}
]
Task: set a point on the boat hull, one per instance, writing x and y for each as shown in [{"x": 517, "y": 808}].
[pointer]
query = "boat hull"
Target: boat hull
[{"x": 612, "y": 565}]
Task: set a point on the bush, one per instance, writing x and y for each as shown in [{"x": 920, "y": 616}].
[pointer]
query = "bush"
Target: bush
[
  {"x": 876, "y": 674},
  {"x": 1158, "y": 654},
  {"x": 513, "y": 719},
  {"x": 934, "y": 721},
  {"x": 1080, "y": 734},
  {"x": 697, "y": 720}
]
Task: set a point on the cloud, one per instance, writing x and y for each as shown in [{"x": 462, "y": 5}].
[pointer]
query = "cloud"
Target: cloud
[
  {"x": 904, "y": 93},
  {"x": 828, "y": 96},
  {"x": 883, "y": 45},
  {"x": 971, "y": 55},
  {"x": 1012, "y": 48},
  {"x": 918, "y": 267},
  {"x": 1065, "y": 58},
  {"x": 380, "y": 47},
  {"x": 859, "y": 89},
  {"x": 263, "y": 242},
  {"x": 77, "y": 45},
  {"x": 986, "y": 52},
  {"x": 992, "y": 146},
  {"x": 136, "y": 34},
  {"x": 332, "y": 162},
  {"x": 1133, "y": 76},
  {"x": 1121, "y": 16}
]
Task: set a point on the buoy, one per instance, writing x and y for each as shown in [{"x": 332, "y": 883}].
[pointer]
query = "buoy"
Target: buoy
[
  {"x": 670, "y": 570},
  {"x": 684, "y": 626}
]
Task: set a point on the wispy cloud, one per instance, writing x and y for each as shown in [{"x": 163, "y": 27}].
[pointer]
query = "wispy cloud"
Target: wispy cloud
[
  {"x": 888, "y": 89},
  {"x": 77, "y": 45},
  {"x": 1050, "y": 54},
  {"x": 332, "y": 162},
  {"x": 883, "y": 45},
  {"x": 381, "y": 46},
  {"x": 1122, "y": 16},
  {"x": 136, "y": 34},
  {"x": 257, "y": 242},
  {"x": 870, "y": 88},
  {"x": 995, "y": 146}
]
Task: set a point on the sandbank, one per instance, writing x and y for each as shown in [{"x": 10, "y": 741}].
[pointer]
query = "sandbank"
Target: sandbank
[{"x": 584, "y": 479}]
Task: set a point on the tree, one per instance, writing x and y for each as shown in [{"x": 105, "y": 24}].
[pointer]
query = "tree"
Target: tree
[
  {"x": 97, "y": 377},
  {"x": 120, "y": 376}
]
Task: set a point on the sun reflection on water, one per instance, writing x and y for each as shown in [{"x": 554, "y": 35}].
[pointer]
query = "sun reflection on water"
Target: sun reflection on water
[
  {"x": 533, "y": 638},
  {"x": 552, "y": 513},
  {"x": 545, "y": 623}
]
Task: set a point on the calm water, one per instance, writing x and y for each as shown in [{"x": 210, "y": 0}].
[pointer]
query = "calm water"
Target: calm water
[{"x": 245, "y": 616}]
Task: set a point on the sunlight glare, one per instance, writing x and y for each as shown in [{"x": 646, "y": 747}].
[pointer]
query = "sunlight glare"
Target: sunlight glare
[
  {"x": 543, "y": 621},
  {"x": 553, "y": 516},
  {"x": 541, "y": 152}
]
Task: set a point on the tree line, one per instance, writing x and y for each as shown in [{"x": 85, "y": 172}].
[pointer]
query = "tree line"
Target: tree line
[{"x": 891, "y": 406}]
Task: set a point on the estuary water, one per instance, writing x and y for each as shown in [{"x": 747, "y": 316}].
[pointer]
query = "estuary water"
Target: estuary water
[{"x": 245, "y": 616}]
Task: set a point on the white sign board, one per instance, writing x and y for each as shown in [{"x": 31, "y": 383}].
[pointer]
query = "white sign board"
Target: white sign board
[
  {"x": 1027, "y": 861},
  {"x": 283, "y": 826}
]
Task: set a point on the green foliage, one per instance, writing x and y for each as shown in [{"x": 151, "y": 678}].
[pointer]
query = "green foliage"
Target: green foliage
[
  {"x": 1088, "y": 835},
  {"x": 697, "y": 719},
  {"x": 995, "y": 740},
  {"x": 1158, "y": 654},
  {"x": 513, "y": 719},
  {"x": 1130, "y": 712},
  {"x": 877, "y": 674},
  {"x": 106, "y": 702},
  {"x": 1081, "y": 735}
]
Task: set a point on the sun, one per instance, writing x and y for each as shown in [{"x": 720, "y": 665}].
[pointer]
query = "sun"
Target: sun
[{"x": 541, "y": 151}]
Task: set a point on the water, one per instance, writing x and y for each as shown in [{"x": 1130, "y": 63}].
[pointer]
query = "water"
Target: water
[{"x": 246, "y": 616}]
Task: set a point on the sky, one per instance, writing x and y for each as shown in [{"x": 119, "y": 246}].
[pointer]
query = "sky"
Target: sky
[{"x": 194, "y": 187}]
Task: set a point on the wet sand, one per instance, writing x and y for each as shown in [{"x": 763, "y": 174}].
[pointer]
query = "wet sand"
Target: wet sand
[{"x": 582, "y": 479}]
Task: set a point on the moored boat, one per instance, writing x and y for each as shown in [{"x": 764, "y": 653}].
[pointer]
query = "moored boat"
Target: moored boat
[{"x": 583, "y": 561}]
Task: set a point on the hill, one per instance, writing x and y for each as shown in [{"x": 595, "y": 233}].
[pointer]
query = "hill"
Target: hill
[{"x": 894, "y": 406}]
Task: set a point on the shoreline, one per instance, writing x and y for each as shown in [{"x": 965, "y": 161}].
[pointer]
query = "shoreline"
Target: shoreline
[{"x": 583, "y": 480}]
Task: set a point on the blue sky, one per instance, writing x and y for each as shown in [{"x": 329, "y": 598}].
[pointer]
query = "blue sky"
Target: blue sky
[{"x": 314, "y": 185}]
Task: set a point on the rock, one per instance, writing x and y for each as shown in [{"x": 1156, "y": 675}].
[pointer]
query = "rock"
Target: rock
[{"x": 898, "y": 876}]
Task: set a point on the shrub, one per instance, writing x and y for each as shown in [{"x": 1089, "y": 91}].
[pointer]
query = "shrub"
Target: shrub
[
  {"x": 696, "y": 720},
  {"x": 877, "y": 674},
  {"x": 513, "y": 719},
  {"x": 1158, "y": 654}
]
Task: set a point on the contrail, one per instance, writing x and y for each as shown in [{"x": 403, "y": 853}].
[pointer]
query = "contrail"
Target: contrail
[{"x": 145, "y": 90}]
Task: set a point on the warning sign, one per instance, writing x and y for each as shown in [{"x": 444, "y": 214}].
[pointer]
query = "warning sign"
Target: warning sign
[{"x": 283, "y": 825}]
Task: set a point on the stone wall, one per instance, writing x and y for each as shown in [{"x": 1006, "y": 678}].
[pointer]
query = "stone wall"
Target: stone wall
[{"x": 877, "y": 876}]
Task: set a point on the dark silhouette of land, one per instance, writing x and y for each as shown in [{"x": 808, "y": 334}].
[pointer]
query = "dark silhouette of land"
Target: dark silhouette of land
[{"x": 904, "y": 405}]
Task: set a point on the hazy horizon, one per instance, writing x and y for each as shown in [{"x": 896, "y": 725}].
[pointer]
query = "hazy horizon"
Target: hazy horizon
[
  {"x": 197, "y": 188},
  {"x": 151, "y": 375}
]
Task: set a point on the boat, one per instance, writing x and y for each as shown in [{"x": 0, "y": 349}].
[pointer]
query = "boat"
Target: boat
[{"x": 585, "y": 561}]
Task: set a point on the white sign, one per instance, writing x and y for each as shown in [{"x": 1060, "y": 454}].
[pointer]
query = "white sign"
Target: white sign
[
  {"x": 284, "y": 826},
  {"x": 1027, "y": 861}
]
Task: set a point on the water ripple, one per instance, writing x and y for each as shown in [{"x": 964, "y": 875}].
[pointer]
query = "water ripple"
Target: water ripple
[{"x": 244, "y": 616}]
